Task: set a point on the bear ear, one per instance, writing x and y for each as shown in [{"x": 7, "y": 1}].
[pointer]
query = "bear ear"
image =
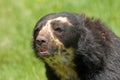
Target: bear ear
[{"x": 81, "y": 18}]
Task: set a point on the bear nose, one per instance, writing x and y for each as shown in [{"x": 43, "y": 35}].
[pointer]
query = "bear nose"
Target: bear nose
[{"x": 41, "y": 40}]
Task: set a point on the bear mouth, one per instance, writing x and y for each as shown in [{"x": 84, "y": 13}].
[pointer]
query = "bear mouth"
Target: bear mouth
[{"x": 44, "y": 51}]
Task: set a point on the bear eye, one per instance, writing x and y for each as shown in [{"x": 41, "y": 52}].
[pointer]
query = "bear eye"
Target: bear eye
[{"x": 58, "y": 30}]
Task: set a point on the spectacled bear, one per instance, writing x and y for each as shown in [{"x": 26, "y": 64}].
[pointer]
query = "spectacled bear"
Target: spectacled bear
[{"x": 76, "y": 47}]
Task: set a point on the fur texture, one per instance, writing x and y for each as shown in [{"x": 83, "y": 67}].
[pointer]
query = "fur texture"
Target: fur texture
[{"x": 75, "y": 47}]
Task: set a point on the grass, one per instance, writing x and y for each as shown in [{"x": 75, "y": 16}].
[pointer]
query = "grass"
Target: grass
[{"x": 17, "y": 19}]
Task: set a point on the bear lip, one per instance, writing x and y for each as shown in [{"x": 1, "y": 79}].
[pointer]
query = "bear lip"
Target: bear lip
[{"x": 44, "y": 52}]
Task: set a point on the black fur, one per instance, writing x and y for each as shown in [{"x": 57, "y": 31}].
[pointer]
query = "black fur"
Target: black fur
[{"x": 96, "y": 48}]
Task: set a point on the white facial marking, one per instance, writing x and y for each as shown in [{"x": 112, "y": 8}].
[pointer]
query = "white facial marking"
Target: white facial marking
[
  {"x": 48, "y": 26},
  {"x": 63, "y": 19},
  {"x": 46, "y": 30}
]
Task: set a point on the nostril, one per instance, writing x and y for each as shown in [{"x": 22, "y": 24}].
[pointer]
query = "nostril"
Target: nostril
[{"x": 41, "y": 40}]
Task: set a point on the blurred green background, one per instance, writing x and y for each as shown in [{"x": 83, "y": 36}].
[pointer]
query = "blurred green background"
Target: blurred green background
[{"x": 17, "y": 19}]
